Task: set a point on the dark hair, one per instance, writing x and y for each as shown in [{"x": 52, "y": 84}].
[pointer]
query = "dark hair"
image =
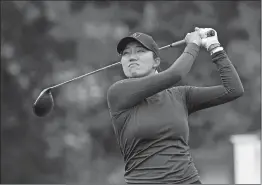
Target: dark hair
[{"x": 155, "y": 55}]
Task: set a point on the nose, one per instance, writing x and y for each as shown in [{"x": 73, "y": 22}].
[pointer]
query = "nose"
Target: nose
[{"x": 133, "y": 57}]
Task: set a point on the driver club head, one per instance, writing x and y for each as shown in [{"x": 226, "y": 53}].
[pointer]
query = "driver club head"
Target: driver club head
[{"x": 44, "y": 103}]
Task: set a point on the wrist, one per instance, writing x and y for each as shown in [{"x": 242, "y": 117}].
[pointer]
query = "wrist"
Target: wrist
[
  {"x": 213, "y": 46},
  {"x": 195, "y": 42},
  {"x": 216, "y": 49},
  {"x": 192, "y": 49}
]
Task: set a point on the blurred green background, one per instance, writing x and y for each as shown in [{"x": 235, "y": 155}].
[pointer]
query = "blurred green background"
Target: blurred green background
[{"x": 47, "y": 42}]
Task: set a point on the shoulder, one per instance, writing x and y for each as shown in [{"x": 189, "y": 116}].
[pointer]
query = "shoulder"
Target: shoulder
[
  {"x": 176, "y": 92},
  {"x": 183, "y": 89},
  {"x": 182, "y": 92},
  {"x": 179, "y": 89},
  {"x": 115, "y": 87},
  {"x": 118, "y": 82},
  {"x": 114, "y": 95},
  {"x": 114, "y": 99}
]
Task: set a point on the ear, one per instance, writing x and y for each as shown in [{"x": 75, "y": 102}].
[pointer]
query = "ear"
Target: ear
[{"x": 157, "y": 62}]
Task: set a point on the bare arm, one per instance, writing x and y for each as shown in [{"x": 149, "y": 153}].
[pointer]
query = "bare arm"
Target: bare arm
[
  {"x": 198, "y": 98},
  {"x": 128, "y": 93}
]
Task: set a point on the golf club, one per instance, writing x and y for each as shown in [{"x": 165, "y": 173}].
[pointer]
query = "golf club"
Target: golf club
[{"x": 45, "y": 102}]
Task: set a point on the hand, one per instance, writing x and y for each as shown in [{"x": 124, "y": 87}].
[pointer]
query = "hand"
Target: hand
[
  {"x": 193, "y": 37},
  {"x": 207, "y": 42}
]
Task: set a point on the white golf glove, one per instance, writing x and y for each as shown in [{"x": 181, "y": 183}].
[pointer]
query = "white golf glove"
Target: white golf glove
[{"x": 207, "y": 41}]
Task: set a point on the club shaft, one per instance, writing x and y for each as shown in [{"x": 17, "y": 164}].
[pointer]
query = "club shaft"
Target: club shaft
[
  {"x": 84, "y": 75},
  {"x": 111, "y": 65},
  {"x": 174, "y": 44}
]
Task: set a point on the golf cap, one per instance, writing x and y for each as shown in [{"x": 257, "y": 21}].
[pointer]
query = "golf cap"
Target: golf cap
[{"x": 146, "y": 40}]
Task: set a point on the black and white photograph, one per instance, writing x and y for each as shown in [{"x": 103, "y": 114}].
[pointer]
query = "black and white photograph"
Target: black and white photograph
[{"x": 130, "y": 92}]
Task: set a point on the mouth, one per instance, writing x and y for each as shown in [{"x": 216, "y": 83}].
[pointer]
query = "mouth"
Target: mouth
[{"x": 133, "y": 64}]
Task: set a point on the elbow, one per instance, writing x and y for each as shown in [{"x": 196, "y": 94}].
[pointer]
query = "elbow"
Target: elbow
[
  {"x": 234, "y": 93},
  {"x": 180, "y": 74},
  {"x": 241, "y": 93},
  {"x": 241, "y": 90},
  {"x": 176, "y": 75},
  {"x": 238, "y": 92}
]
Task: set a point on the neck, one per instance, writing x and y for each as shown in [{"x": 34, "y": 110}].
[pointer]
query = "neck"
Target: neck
[
  {"x": 153, "y": 72},
  {"x": 159, "y": 93}
]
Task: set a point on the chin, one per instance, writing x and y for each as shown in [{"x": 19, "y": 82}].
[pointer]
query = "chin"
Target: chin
[{"x": 136, "y": 74}]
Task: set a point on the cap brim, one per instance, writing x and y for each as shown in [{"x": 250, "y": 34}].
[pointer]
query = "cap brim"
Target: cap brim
[{"x": 123, "y": 42}]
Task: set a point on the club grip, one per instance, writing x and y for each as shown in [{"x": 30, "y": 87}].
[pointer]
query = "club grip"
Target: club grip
[
  {"x": 211, "y": 33},
  {"x": 178, "y": 43}
]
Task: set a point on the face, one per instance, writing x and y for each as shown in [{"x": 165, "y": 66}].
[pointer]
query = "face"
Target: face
[{"x": 137, "y": 61}]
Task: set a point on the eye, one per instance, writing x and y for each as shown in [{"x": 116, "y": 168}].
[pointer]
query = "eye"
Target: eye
[
  {"x": 124, "y": 53},
  {"x": 141, "y": 50}
]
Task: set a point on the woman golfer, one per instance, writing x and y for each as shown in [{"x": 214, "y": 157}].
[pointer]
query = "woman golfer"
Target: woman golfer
[{"x": 150, "y": 116}]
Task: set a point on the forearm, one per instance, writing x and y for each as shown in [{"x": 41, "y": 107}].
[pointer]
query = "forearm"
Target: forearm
[
  {"x": 130, "y": 92},
  {"x": 228, "y": 74},
  {"x": 184, "y": 63},
  {"x": 198, "y": 98}
]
